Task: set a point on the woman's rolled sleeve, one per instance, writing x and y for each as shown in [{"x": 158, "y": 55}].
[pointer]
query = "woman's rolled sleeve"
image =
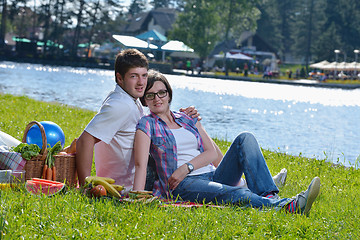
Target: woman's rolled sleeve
[{"x": 144, "y": 126}]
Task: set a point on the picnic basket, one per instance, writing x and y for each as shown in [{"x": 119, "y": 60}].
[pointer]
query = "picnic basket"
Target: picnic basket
[{"x": 65, "y": 164}]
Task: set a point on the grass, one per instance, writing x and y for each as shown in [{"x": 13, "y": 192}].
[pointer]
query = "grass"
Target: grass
[{"x": 335, "y": 213}]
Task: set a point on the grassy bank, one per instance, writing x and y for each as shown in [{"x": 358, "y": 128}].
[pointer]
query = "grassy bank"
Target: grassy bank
[{"x": 335, "y": 214}]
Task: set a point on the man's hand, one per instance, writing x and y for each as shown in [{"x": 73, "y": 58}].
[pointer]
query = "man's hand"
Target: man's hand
[
  {"x": 191, "y": 112},
  {"x": 178, "y": 176}
]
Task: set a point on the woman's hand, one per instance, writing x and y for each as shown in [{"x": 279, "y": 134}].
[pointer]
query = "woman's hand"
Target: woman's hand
[{"x": 178, "y": 176}]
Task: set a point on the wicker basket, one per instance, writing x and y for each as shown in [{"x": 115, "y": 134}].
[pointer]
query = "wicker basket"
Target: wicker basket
[{"x": 65, "y": 164}]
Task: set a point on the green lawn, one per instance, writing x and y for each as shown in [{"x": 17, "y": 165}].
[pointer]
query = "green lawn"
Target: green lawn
[{"x": 335, "y": 213}]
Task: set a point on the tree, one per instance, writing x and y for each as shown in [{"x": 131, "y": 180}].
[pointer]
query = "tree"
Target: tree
[
  {"x": 136, "y": 6},
  {"x": 197, "y": 26},
  {"x": 19, "y": 15},
  {"x": 326, "y": 43},
  {"x": 46, "y": 17},
  {"x": 268, "y": 24},
  {"x": 179, "y": 4},
  {"x": 237, "y": 16},
  {"x": 160, "y": 3},
  {"x": 61, "y": 22},
  {"x": 79, "y": 18},
  {"x": 3, "y": 23},
  {"x": 287, "y": 11},
  {"x": 344, "y": 15},
  {"x": 203, "y": 24}
]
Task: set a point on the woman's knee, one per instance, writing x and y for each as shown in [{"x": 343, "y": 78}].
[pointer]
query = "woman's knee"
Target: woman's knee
[{"x": 245, "y": 136}]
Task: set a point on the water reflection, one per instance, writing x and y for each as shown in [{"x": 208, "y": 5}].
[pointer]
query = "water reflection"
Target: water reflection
[{"x": 296, "y": 119}]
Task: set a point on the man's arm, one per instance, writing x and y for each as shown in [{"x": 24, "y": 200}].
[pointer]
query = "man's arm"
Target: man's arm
[{"x": 84, "y": 155}]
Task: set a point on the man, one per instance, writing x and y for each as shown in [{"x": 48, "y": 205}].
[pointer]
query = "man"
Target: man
[{"x": 111, "y": 132}]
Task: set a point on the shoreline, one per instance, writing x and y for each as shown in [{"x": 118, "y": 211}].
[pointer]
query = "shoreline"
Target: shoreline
[
  {"x": 166, "y": 69},
  {"x": 297, "y": 82}
]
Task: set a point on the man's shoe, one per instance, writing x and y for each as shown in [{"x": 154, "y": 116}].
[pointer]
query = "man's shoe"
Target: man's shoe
[
  {"x": 304, "y": 200},
  {"x": 280, "y": 178}
]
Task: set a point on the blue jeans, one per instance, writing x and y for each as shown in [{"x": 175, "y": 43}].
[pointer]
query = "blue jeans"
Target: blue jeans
[{"x": 243, "y": 157}]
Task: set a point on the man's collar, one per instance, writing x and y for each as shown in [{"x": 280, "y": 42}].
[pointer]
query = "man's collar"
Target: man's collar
[{"x": 121, "y": 90}]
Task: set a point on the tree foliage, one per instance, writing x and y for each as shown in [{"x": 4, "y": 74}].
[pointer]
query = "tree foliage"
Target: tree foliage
[
  {"x": 203, "y": 24},
  {"x": 136, "y": 6},
  {"x": 197, "y": 27},
  {"x": 311, "y": 29},
  {"x": 308, "y": 29},
  {"x": 160, "y": 3}
]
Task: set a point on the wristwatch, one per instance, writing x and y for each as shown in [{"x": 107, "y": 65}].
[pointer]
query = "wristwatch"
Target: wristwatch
[{"x": 190, "y": 167}]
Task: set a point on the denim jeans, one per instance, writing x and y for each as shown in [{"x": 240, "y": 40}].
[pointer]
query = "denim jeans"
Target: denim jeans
[{"x": 243, "y": 157}]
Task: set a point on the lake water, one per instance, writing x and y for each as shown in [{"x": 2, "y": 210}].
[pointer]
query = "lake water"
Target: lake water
[{"x": 315, "y": 122}]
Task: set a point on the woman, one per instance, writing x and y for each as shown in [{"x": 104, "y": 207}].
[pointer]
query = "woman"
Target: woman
[{"x": 186, "y": 157}]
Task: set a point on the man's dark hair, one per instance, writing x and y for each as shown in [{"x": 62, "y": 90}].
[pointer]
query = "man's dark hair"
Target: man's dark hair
[{"x": 129, "y": 58}]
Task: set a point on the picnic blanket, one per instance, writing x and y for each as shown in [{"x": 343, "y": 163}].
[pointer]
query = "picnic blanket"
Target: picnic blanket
[{"x": 10, "y": 160}]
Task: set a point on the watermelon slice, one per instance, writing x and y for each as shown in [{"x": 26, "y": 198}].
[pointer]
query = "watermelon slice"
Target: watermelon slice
[{"x": 37, "y": 186}]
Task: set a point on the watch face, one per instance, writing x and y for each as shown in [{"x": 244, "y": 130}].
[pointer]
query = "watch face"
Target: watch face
[{"x": 190, "y": 167}]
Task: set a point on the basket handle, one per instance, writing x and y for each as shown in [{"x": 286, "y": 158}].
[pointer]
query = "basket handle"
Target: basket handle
[{"x": 43, "y": 151}]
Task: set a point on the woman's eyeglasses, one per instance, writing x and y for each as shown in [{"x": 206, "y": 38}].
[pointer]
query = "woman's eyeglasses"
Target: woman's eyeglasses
[{"x": 160, "y": 94}]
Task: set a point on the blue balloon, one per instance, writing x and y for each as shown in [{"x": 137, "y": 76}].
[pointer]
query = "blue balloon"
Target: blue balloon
[{"x": 53, "y": 134}]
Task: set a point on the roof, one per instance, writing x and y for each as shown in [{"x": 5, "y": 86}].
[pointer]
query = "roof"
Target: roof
[
  {"x": 164, "y": 17},
  {"x": 137, "y": 22},
  {"x": 133, "y": 42},
  {"x": 257, "y": 41},
  {"x": 155, "y": 35},
  {"x": 245, "y": 36},
  {"x": 224, "y": 46}
]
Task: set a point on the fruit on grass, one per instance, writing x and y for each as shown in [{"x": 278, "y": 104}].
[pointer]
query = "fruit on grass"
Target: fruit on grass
[
  {"x": 37, "y": 186},
  {"x": 108, "y": 183},
  {"x": 119, "y": 188},
  {"x": 98, "y": 191},
  {"x": 90, "y": 179},
  {"x": 109, "y": 188}
]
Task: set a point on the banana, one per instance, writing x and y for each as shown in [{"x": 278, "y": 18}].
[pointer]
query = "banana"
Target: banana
[
  {"x": 90, "y": 179},
  {"x": 119, "y": 188},
  {"x": 109, "y": 187}
]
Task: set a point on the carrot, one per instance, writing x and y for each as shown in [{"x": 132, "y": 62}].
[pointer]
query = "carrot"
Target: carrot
[
  {"x": 54, "y": 173},
  {"x": 44, "y": 171},
  {"x": 49, "y": 174}
]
